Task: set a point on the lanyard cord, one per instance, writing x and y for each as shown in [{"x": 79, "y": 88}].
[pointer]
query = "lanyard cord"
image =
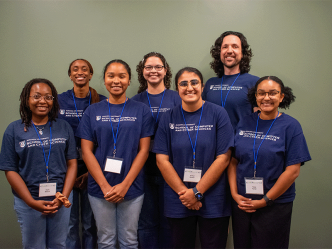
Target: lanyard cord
[
  {"x": 49, "y": 153},
  {"x": 193, "y": 147},
  {"x": 147, "y": 94},
  {"x": 76, "y": 106},
  {"x": 117, "y": 130},
  {"x": 256, "y": 154},
  {"x": 223, "y": 103}
]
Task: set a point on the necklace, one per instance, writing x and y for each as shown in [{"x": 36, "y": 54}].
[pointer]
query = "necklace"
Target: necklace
[{"x": 40, "y": 130}]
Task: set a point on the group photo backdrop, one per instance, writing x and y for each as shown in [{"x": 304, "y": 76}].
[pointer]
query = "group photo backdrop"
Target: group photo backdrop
[{"x": 289, "y": 39}]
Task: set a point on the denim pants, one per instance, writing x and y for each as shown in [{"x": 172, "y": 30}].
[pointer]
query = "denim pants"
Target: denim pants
[
  {"x": 153, "y": 228},
  {"x": 81, "y": 211},
  {"x": 117, "y": 223},
  {"x": 39, "y": 230}
]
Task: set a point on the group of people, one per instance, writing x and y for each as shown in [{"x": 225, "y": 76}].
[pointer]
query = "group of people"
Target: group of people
[{"x": 147, "y": 171}]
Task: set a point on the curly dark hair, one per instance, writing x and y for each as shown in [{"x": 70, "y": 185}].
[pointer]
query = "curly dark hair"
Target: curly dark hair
[
  {"x": 127, "y": 67},
  {"x": 88, "y": 63},
  {"x": 218, "y": 66},
  {"x": 143, "y": 85},
  {"x": 288, "y": 93},
  {"x": 190, "y": 70},
  {"x": 25, "y": 111}
]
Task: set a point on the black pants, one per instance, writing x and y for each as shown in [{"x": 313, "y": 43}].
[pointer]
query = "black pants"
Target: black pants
[
  {"x": 268, "y": 227},
  {"x": 213, "y": 232}
]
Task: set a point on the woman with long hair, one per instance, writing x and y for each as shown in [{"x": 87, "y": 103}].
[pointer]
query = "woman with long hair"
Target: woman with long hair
[
  {"x": 38, "y": 155},
  {"x": 115, "y": 139},
  {"x": 154, "y": 76},
  {"x": 193, "y": 146},
  {"x": 72, "y": 104},
  {"x": 269, "y": 150}
]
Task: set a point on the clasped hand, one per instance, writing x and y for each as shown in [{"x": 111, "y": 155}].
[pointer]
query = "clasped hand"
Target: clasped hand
[
  {"x": 188, "y": 199},
  {"x": 248, "y": 205},
  {"x": 116, "y": 193}
]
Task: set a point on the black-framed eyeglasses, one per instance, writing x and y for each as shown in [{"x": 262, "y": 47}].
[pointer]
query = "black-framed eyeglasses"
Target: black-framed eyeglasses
[
  {"x": 261, "y": 94},
  {"x": 184, "y": 84},
  {"x": 157, "y": 68},
  {"x": 38, "y": 97}
]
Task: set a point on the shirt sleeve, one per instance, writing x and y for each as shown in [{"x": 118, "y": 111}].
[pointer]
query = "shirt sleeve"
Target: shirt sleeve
[
  {"x": 297, "y": 150},
  {"x": 162, "y": 138},
  {"x": 84, "y": 129},
  {"x": 71, "y": 147},
  {"x": 8, "y": 158},
  {"x": 148, "y": 123}
]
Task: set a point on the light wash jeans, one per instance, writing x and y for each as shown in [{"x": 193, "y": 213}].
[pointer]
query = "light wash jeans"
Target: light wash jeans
[
  {"x": 116, "y": 223},
  {"x": 81, "y": 213},
  {"x": 42, "y": 231}
]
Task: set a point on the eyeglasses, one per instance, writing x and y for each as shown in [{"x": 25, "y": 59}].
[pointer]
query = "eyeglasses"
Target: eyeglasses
[
  {"x": 157, "y": 68},
  {"x": 261, "y": 94},
  {"x": 194, "y": 83},
  {"x": 38, "y": 97}
]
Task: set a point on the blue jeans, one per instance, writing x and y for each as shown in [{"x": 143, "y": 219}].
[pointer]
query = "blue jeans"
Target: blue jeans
[
  {"x": 153, "y": 227},
  {"x": 42, "y": 231},
  {"x": 89, "y": 230},
  {"x": 116, "y": 222}
]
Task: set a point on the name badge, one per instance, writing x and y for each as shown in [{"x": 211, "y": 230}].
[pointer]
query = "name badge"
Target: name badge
[
  {"x": 113, "y": 165},
  {"x": 254, "y": 185},
  {"x": 47, "y": 189},
  {"x": 192, "y": 174}
]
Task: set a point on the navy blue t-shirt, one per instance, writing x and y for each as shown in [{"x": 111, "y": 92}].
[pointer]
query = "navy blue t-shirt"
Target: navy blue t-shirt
[
  {"x": 136, "y": 123},
  {"x": 284, "y": 145},
  {"x": 68, "y": 112},
  {"x": 237, "y": 104},
  {"x": 171, "y": 99},
  {"x": 22, "y": 152},
  {"x": 67, "y": 107},
  {"x": 214, "y": 138}
]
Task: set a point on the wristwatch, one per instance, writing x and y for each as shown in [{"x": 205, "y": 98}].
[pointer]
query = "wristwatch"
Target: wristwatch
[
  {"x": 269, "y": 202},
  {"x": 199, "y": 196}
]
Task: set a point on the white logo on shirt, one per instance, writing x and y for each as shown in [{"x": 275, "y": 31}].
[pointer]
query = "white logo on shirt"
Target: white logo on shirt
[
  {"x": 22, "y": 144},
  {"x": 259, "y": 135},
  {"x": 62, "y": 111},
  {"x": 171, "y": 126},
  {"x": 98, "y": 118}
]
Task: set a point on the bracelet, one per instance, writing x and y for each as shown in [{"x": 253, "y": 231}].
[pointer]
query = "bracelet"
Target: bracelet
[{"x": 63, "y": 199}]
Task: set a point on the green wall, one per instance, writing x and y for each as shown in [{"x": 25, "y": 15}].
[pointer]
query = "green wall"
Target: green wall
[{"x": 289, "y": 39}]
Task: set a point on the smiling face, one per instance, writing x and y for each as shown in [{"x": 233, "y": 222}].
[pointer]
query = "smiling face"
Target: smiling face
[
  {"x": 154, "y": 77},
  {"x": 80, "y": 73},
  {"x": 190, "y": 95},
  {"x": 117, "y": 80},
  {"x": 268, "y": 97},
  {"x": 40, "y": 108},
  {"x": 231, "y": 52}
]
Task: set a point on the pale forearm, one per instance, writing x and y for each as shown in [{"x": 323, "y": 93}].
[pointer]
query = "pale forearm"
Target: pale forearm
[
  {"x": 138, "y": 162},
  {"x": 284, "y": 181},
  {"x": 231, "y": 172},
  {"x": 214, "y": 172},
  {"x": 93, "y": 165},
  {"x": 169, "y": 173}
]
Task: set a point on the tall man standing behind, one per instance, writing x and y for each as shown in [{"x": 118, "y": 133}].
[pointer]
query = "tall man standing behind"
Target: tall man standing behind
[
  {"x": 72, "y": 106},
  {"x": 232, "y": 56}
]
